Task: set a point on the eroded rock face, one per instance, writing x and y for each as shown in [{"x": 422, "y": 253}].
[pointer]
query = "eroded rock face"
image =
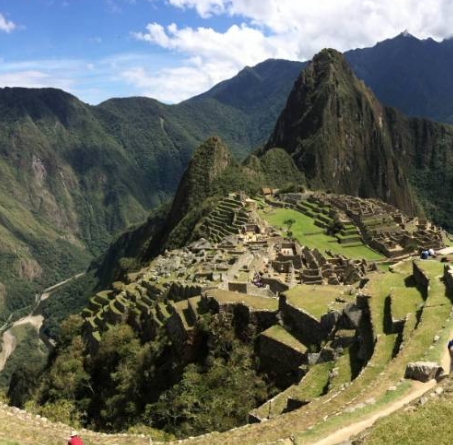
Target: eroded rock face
[
  {"x": 352, "y": 316},
  {"x": 423, "y": 371},
  {"x": 340, "y": 136}
]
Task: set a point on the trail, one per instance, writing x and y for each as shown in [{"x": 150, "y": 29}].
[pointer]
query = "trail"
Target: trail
[
  {"x": 8, "y": 346},
  {"x": 35, "y": 318},
  {"x": 419, "y": 388}
]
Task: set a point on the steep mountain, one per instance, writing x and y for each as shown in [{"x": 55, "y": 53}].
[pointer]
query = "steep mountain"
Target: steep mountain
[
  {"x": 343, "y": 139},
  {"x": 72, "y": 174},
  {"x": 332, "y": 125},
  {"x": 211, "y": 174},
  {"x": 258, "y": 93},
  {"x": 65, "y": 185}
]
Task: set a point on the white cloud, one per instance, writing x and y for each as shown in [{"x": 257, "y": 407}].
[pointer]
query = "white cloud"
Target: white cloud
[
  {"x": 205, "y": 8},
  {"x": 6, "y": 25},
  {"x": 165, "y": 85},
  {"x": 278, "y": 29},
  {"x": 33, "y": 79},
  {"x": 373, "y": 18},
  {"x": 209, "y": 58}
]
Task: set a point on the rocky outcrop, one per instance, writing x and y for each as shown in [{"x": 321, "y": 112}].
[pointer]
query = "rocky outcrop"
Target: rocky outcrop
[
  {"x": 423, "y": 371},
  {"x": 336, "y": 131}
]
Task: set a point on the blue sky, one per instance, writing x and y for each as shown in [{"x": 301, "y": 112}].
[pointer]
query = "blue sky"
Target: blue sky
[{"x": 174, "y": 49}]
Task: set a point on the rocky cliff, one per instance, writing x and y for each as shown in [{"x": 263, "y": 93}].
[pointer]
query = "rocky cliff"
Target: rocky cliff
[{"x": 343, "y": 139}]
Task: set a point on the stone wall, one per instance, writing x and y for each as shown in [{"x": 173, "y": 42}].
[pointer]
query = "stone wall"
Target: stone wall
[
  {"x": 175, "y": 329},
  {"x": 366, "y": 333},
  {"x": 305, "y": 328},
  {"x": 180, "y": 291},
  {"x": 448, "y": 278},
  {"x": 420, "y": 277},
  {"x": 278, "y": 357},
  {"x": 237, "y": 286},
  {"x": 275, "y": 285},
  {"x": 242, "y": 314}
]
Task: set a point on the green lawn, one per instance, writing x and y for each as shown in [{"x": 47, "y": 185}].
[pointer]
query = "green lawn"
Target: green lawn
[
  {"x": 316, "y": 300},
  {"x": 281, "y": 335},
  {"x": 406, "y": 297},
  {"x": 308, "y": 234},
  {"x": 430, "y": 424},
  {"x": 314, "y": 382}
]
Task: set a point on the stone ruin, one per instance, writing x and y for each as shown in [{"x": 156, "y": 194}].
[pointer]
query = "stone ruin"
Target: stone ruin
[
  {"x": 381, "y": 226},
  {"x": 386, "y": 229},
  {"x": 293, "y": 264}
]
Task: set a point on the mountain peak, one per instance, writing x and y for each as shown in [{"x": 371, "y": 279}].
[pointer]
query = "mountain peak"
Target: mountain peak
[
  {"x": 406, "y": 33},
  {"x": 334, "y": 128},
  {"x": 208, "y": 162}
]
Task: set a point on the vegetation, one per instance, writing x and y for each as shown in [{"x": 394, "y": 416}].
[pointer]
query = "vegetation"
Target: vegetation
[
  {"x": 86, "y": 172},
  {"x": 216, "y": 394},
  {"x": 127, "y": 382},
  {"x": 428, "y": 423},
  {"x": 317, "y": 300},
  {"x": 308, "y": 234},
  {"x": 21, "y": 373}
]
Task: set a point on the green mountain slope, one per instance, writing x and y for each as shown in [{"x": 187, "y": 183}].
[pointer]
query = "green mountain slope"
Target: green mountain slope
[
  {"x": 86, "y": 172},
  {"x": 410, "y": 74},
  {"x": 211, "y": 174},
  {"x": 73, "y": 175}
]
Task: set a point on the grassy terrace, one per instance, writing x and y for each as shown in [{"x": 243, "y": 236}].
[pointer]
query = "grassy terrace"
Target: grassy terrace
[
  {"x": 314, "y": 382},
  {"x": 316, "y": 300},
  {"x": 344, "y": 374},
  {"x": 406, "y": 297},
  {"x": 429, "y": 424},
  {"x": 326, "y": 413},
  {"x": 252, "y": 301},
  {"x": 281, "y": 335},
  {"x": 311, "y": 386},
  {"x": 310, "y": 235}
]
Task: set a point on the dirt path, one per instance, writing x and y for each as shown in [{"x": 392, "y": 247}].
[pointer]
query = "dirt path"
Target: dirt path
[
  {"x": 345, "y": 433},
  {"x": 34, "y": 318},
  {"x": 8, "y": 346},
  {"x": 418, "y": 390}
]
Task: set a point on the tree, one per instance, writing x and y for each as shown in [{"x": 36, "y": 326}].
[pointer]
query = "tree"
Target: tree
[{"x": 289, "y": 223}]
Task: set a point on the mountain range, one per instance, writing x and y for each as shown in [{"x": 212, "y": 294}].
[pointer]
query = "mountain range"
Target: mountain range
[{"x": 74, "y": 175}]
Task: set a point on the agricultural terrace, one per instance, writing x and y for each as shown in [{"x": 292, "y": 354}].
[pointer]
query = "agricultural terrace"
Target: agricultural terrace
[
  {"x": 317, "y": 300},
  {"x": 308, "y": 234},
  {"x": 252, "y": 301}
]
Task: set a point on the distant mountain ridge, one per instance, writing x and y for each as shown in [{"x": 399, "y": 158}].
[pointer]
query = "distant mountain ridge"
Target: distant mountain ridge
[
  {"x": 410, "y": 74},
  {"x": 78, "y": 174}
]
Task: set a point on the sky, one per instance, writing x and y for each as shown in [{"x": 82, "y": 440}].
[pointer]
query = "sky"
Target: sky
[{"x": 172, "y": 50}]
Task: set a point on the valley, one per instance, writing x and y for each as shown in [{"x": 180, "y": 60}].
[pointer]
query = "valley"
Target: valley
[
  {"x": 409, "y": 321},
  {"x": 293, "y": 293},
  {"x": 35, "y": 319}
]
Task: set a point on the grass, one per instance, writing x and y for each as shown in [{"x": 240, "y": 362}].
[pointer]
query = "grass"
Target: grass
[
  {"x": 314, "y": 382},
  {"x": 305, "y": 225},
  {"x": 316, "y": 300},
  {"x": 344, "y": 373},
  {"x": 252, "y": 301},
  {"x": 372, "y": 382},
  {"x": 281, "y": 335},
  {"x": 429, "y": 424},
  {"x": 382, "y": 372}
]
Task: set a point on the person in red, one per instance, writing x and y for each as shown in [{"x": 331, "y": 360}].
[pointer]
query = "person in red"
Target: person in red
[{"x": 75, "y": 439}]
